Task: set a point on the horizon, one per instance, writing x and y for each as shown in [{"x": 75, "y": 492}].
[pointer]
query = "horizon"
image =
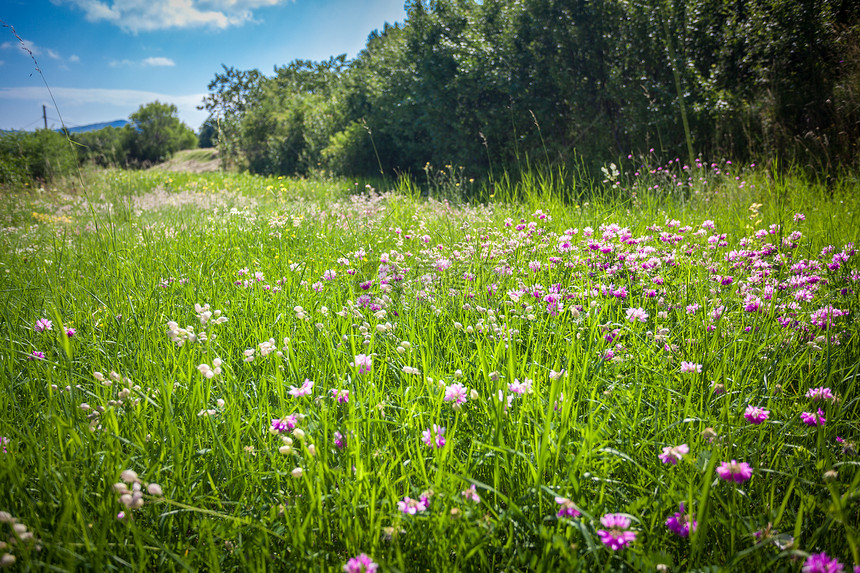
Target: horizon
[{"x": 102, "y": 61}]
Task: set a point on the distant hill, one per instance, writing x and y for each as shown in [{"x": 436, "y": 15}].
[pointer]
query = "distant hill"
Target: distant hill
[{"x": 96, "y": 126}]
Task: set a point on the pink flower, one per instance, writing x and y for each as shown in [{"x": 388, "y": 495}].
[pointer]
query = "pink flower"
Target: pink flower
[
  {"x": 339, "y": 440},
  {"x": 821, "y": 393},
  {"x": 434, "y": 437},
  {"x": 305, "y": 389},
  {"x": 456, "y": 393},
  {"x": 342, "y": 396},
  {"x": 682, "y": 523},
  {"x": 734, "y": 471},
  {"x": 822, "y": 563},
  {"x": 36, "y": 355},
  {"x": 411, "y": 506},
  {"x": 360, "y": 564},
  {"x": 566, "y": 508},
  {"x": 634, "y": 314},
  {"x": 690, "y": 367},
  {"x": 283, "y": 425},
  {"x": 364, "y": 363},
  {"x": 810, "y": 419},
  {"x": 471, "y": 494},
  {"x": 673, "y": 454},
  {"x": 42, "y": 325},
  {"x": 756, "y": 415},
  {"x": 518, "y": 387},
  {"x": 70, "y": 332},
  {"x": 616, "y": 535}
]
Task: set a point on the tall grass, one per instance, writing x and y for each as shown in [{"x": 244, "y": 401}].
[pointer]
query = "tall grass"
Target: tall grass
[{"x": 532, "y": 300}]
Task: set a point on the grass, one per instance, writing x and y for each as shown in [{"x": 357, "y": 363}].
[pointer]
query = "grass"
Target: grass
[{"x": 528, "y": 302}]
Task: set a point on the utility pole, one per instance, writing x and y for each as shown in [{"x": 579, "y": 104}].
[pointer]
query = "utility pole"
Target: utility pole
[{"x": 45, "y": 115}]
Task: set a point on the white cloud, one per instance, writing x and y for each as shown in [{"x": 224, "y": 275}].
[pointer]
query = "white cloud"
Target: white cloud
[
  {"x": 74, "y": 58},
  {"x": 147, "y": 15},
  {"x": 158, "y": 62},
  {"x": 153, "y": 62},
  {"x": 29, "y": 48}
]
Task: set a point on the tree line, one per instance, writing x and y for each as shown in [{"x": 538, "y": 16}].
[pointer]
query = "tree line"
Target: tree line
[
  {"x": 499, "y": 85},
  {"x": 153, "y": 133}
]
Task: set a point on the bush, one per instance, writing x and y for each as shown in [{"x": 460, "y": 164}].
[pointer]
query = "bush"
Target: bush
[{"x": 41, "y": 155}]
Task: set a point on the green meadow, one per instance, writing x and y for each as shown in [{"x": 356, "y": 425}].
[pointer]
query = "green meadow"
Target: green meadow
[{"x": 232, "y": 372}]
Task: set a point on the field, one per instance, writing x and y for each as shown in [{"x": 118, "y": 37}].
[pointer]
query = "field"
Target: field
[{"x": 220, "y": 371}]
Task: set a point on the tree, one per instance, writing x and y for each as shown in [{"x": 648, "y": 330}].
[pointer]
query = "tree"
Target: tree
[{"x": 155, "y": 133}]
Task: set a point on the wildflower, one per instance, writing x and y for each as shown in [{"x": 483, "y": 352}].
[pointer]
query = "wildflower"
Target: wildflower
[
  {"x": 617, "y": 533},
  {"x": 690, "y": 367},
  {"x": 305, "y": 389},
  {"x": 634, "y": 314},
  {"x": 566, "y": 508},
  {"x": 297, "y": 472},
  {"x": 42, "y": 325},
  {"x": 810, "y": 419},
  {"x": 70, "y": 332},
  {"x": 673, "y": 454},
  {"x": 518, "y": 387},
  {"x": 682, "y": 524},
  {"x": 456, "y": 393},
  {"x": 360, "y": 564},
  {"x": 822, "y": 563},
  {"x": 434, "y": 437},
  {"x": 36, "y": 355},
  {"x": 283, "y": 425},
  {"x": 821, "y": 393},
  {"x": 364, "y": 363},
  {"x": 210, "y": 372},
  {"x": 756, "y": 415},
  {"x": 342, "y": 396},
  {"x": 3, "y": 442},
  {"x": 411, "y": 506},
  {"x": 734, "y": 471},
  {"x": 471, "y": 494},
  {"x": 339, "y": 440}
]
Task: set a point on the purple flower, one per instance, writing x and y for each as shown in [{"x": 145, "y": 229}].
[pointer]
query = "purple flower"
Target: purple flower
[
  {"x": 821, "y": 393},
  {"x": 42, "y": 325},
  {"x": 810, "y": 419},
  {"x": 734, "y": 471},
  {"x": 457, "y": 393},
  {"x": 339, "y": 440},
  {"x": 687, "y": 367},
  {"x": 434, "y": 437},
  {"x": 4, "y": 440},
  {"x": 411, "y": 506},
  {"x": 360, "y": 564},
  {"x": 518, "y": 387},
  {"x": 364, "y": 363},
  {"x": 566, "y": 508},
  {"x": 342, "y": 396},
  {"x": 471, "y": 494},
  {"x": 682, "y": 523},
  {"x": 634, "y": 314},
  {"x": 305, "y": 389},
  {"x": 283, "y": 425},
  {"x": 821, "y": 563},
  {"x": 616, "y": 535},
  {"x": 673, "y": 454},
  {"x": 70, "y": 332},
  {"x": 756, "y": 415},
  {"x": 36, "y": 355}
]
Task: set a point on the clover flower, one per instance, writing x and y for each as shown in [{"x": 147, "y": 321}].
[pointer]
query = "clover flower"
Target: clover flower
[
  {"x": 566, "y": 508},
  {"x": 283, "y": 425},
  {"x": 687, "y": 367},
  {"x": 634, "y": 314},
  {"x": 306, "y": 389},
  {"x": 471, "y": 493},
  {"x": 342, "y": 396},
  {"x": 821, "y": 393},
  {"x": 822, "y": 563},
  {"x": 617, "y": 534},
  {"x": 455, "y": 393},
  {"x": 42, "y": 325},
  {"x": 360, "y": 564},
  {"x": 734, "y": 471},
  {"x": 811, "y": 419},
  {"x": 682, "y": 524},
  {"x": 434, "y": 437},
  {"x": 364, "y": 363},
  {"x": 411, "y": 506},
  {"x": 756, "y": 415},
  {"x": 673, "y": 454},
  {"x": 524, "y": 387},
  {"x": 36, "y": 355}
]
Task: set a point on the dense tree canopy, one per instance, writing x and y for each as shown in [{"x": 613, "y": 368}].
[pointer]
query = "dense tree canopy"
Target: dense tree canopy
[{"x": 499, "y": 83}]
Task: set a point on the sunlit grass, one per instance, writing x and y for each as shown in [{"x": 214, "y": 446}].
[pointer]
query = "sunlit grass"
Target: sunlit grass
[{"x": 562, "y": 344}]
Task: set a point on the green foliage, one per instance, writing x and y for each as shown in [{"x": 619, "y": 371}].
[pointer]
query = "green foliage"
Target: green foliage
[
  {"x": 484, "y": 84},
  {"x": 155, "y": 133},
  {"x": 39, "y": 156}
]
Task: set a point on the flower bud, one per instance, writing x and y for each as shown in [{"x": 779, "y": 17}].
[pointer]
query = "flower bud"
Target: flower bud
[{"x": 297, "y": 473}]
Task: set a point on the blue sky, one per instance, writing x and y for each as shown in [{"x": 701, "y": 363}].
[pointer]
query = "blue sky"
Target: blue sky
[{"x": 104, "y": 58}]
